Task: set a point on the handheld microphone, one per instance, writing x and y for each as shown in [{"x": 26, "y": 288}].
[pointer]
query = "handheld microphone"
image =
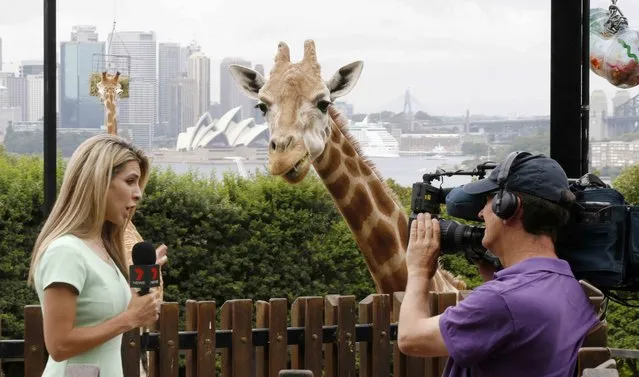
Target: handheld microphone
[{"x": 144, "y": 273}]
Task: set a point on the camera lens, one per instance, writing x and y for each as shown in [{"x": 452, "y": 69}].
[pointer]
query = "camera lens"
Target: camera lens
[{"x": 460, "y": 238}]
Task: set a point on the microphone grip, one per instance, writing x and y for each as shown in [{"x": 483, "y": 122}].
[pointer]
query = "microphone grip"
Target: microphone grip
[{"x": 143, "y": 291}]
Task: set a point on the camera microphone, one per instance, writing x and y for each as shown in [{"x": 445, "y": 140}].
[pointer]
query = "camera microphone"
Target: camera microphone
[
  {"x": 144, "y": 273},
  {"x": 462, "y": 205}
]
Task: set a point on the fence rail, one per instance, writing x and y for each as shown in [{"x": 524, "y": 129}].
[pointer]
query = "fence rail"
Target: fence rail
[{"x": 331, "y": 336}]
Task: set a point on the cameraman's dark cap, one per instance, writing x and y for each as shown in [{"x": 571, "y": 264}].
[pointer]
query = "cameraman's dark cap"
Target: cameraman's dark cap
[{"x": 536, "y": 175}]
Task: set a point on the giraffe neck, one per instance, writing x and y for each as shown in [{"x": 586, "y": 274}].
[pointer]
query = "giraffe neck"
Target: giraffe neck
[
  {"x": 111, "y": 116},
  {"x": 374, "y": 216}
]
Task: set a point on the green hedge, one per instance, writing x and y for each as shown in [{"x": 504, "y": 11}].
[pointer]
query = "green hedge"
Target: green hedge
[{"x": 254, "y": 238}]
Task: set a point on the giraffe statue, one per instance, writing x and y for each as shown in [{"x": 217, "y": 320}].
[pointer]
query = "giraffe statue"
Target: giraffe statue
[
  {"x": 109, "y": 89},
  {"x": 307, "y": 130}
]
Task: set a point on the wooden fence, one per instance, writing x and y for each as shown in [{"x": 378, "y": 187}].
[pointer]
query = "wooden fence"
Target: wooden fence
[{"x": 331, "y": 336}]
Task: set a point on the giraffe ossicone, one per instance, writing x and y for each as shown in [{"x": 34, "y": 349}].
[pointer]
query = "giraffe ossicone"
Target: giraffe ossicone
[{"x": 305, "y": 129}]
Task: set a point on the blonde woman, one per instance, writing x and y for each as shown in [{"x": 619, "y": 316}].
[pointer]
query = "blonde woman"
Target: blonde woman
[{"x": 79, "y": 267}]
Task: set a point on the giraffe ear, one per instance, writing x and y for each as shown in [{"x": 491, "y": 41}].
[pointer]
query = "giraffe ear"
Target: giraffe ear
[
  {"x": 249, "y": 80},
  {"x": 344, "y": 79}
]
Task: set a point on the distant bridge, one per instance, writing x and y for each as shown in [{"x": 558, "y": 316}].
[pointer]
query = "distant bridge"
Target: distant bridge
[
  {"x": 495, "y": 125},
  {"x": 625, "y": 118}
]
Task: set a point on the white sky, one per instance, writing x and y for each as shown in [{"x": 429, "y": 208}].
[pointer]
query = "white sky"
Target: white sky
[{"x": 488, "y": 56}]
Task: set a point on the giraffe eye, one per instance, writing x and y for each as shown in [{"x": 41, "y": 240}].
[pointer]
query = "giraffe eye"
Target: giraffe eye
[
  {"x": 323, "y": 106},
  {"x": 263, "y": 107}
]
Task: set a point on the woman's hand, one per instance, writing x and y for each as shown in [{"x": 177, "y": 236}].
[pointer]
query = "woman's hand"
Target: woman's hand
[
  {"x": 143, "y": 310},
  {"x": 161, "y": 255}
]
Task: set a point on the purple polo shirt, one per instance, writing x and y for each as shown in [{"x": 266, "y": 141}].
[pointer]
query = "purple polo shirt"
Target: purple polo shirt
[{"x": 530, "y": 320}]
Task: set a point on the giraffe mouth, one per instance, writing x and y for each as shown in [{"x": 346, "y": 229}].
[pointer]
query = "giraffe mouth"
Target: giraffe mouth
[{"x": 299, "y": 170}]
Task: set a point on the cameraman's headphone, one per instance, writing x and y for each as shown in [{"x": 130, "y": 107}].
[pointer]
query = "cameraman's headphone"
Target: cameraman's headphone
[{"x": 505, "y": 203}]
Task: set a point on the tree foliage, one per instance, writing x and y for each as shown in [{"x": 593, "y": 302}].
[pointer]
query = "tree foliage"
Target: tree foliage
[
  {"x": 624, "y": 321},
  {"x": 255, "y": 238}
]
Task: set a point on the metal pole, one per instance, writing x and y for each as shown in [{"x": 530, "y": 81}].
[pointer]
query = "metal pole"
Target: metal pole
[
  {"x": 565, "y": 85},
  {"x": 50, "y": 114},
  {"x": 585, "y": 86}
]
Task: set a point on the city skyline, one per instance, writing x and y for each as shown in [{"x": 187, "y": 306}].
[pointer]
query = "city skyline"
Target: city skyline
[{"x": 490, "y": 57}]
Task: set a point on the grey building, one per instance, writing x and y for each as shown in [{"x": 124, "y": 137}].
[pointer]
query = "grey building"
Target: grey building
[
  {"x": 78, "y": 58},
  {"x": 169, "y": 70},
  {"x": 141, "y": 48},
  {"x": 231, "y": 95}
]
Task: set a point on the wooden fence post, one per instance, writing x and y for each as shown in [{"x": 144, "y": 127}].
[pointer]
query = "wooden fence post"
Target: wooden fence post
[
  {"x": 238, "y": 316},
  {"x": 308, "y": 312},
  {"x": 35, "y": 353},
  {"x": 130, "y": 352},
  {"x": 375, "y": 355},
  {"x": 205, "y": 353},
  {"x": 169, "y": 341},
  {"x": 191, "y": 325},
  {"x": 340, "y": 355}
]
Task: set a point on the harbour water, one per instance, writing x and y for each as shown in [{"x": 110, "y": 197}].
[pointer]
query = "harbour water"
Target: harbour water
[{"x": 404, "y": 170}]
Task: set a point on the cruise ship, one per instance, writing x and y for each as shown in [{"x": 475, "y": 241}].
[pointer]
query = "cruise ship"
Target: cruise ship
[{"x": 374, "y": 140}]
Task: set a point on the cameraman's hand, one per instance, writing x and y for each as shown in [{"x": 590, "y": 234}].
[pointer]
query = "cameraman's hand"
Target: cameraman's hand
[{"x": 423, "y": 246}]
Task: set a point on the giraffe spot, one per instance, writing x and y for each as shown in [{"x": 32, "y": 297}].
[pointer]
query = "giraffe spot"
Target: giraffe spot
[
  {"x": 334, "y": 159},
  {"x": 384, "y": 202},
  {"x": 402, "y": 224},
  {"x": 336, "y": 137},
  {"x": 364, "y": 169},
  {"x": 389, "y": 284},
  {"x": 384, "y": 242},
  {"x": 339, "y": 188},
  {"x": 348, "y": 150},
  {"x": 329, "y": 160},
  {"x": 352, "y": 167},
  {"x": 359, "y": 207}
]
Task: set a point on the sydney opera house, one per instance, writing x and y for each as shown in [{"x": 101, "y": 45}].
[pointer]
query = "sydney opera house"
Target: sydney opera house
[{"x": 223, "y": 133}]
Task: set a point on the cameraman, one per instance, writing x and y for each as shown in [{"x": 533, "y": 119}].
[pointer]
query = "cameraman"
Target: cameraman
[{"x": 528, "y": 319}]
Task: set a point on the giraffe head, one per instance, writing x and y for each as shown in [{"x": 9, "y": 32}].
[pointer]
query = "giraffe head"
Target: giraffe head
[
  {"x": 295, "y": 101},
  {"x": 109, "y": 88}
]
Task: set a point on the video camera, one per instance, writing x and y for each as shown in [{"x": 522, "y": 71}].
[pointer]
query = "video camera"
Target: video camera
[
  {"x": 455, "y": 237},
  {"x": 600, "y": 240}
]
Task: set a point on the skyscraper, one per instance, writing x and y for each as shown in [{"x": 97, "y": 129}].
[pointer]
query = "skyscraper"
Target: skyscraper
[
  {"x": 230, "y": 93},
  {"x": 35, "y": 97},
  {"x": 31, "y": 67},
  {"x": 141, "y": 48},
  {"x": 185, "y": 54},
  {"x": 182, "y": 94},
  {"x": 78, "y": 60},
  {"x": 199, "y": 70},
  {"x": 169, "y": 69}
]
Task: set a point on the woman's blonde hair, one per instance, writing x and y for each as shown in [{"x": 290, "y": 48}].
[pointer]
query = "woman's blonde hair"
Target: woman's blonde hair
[{"x": 80, "y": 207}]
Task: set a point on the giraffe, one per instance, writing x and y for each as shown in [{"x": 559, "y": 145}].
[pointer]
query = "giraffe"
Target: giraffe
[
  {"x": 109, "y": 90},
  {"x": 307, "y": 130}
]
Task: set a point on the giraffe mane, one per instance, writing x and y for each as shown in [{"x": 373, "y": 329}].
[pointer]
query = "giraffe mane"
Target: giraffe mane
[
  {"x": 340, "y": 121},
  {"x": 457, "y": 281},
  {"x": 342, "y": 124}
]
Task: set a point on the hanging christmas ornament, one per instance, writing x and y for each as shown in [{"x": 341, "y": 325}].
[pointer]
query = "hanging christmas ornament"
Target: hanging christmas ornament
[{"x": 614, "y": 48}]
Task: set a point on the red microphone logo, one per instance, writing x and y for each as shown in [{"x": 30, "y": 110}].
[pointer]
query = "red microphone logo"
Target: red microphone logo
[{"x": 139, "y": 274}]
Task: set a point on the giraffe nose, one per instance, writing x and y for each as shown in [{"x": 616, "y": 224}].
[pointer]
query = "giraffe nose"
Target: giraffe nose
[{"x": 281, "y": 143}]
